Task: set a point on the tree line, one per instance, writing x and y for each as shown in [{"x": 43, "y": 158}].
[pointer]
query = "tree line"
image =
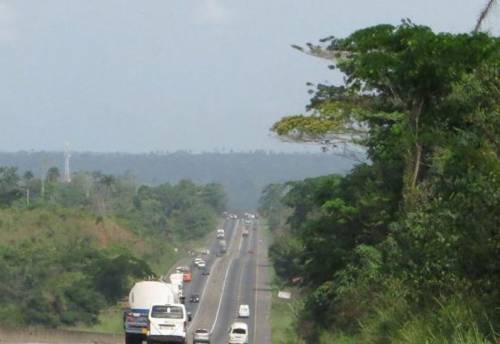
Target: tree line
[{"x": 243, "y": 174}]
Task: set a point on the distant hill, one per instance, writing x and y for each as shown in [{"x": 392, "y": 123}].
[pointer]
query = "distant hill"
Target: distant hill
[{"x": 242, "y": 174}]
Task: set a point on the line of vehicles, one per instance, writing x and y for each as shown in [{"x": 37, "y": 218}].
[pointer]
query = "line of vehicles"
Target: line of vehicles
[
  {"x": 238, "y": 332},
  {"x": 156, "y": 312}
]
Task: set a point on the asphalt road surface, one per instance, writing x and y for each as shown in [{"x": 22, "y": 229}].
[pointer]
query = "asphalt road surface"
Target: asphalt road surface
[
  {"x": 240, "y": 277},
  {"x": 197, "y": 285}
]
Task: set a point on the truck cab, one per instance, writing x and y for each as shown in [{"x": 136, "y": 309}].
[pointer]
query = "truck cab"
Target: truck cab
[{"x": 167, "y": 324}]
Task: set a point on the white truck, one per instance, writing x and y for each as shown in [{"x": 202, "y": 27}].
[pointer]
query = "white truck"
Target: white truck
[
  {"x": 142, "y": 297},
  {"x": 177, "y": 281}
]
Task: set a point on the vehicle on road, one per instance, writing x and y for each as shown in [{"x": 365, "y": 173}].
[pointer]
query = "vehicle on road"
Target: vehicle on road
[
  {"x": 222, "y": 246},
  {"x": 205, "y": 252},
  {"x": 187, "y": 276},
  {"x": 195, "y": 298},
  {"x": 201, "y": 335},
  {"x": 220, "y": 233},
  {"x": 142, "y": 297},
  {"x": 245, "y": 233},
  {"x": 167, "y": 324},
  {"x": 205, "y": 271},
  {"x": 238, "y": 333},
  {"x": 177, "y": 280},
  {"x": 244, "y": 311},
  {"x": 181, "y": 269},
  {"x": 201, "y": 264}
]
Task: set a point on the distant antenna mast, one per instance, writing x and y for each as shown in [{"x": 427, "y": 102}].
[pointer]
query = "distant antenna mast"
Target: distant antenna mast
[{"x": 67, "y": 171}]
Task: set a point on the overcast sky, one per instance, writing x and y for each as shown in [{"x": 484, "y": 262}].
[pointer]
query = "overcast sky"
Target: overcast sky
[{"x": 163, "y": 75}]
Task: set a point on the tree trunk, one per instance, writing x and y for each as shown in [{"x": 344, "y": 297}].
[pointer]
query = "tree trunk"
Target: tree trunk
[
  {"x": 414, "y": 161},
  {"x": 484, "y": 13}
]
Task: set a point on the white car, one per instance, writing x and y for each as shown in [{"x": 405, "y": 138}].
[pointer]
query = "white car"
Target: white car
[
  {"x": 238, "y": 333},
  {"x": 201, "y": 264},
  {"x": 244, "y": 311}
]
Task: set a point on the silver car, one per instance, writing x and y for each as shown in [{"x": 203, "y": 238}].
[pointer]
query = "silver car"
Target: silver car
[{"x": 201, "y": 335}]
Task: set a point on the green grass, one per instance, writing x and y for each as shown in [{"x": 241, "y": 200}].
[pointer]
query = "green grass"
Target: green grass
[
  {"x": 283, "y": 321},
  {"x": 110, "y": 321},
  {"x": 283, "y": 312}
]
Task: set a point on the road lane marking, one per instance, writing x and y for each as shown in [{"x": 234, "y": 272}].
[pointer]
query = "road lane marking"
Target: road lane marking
[
  {"x": 241, "y": 244},
  {"x": 256, "y": 305},
  {"x": 231, "y": 261},
  {"x": 242, "y": 273},
  {"x": 235, "y": 226},
  {"x": 220, "y": 298}
]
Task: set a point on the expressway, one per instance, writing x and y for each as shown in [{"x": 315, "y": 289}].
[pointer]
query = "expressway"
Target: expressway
[
  {"x": 197, "y": 286},
  {"x": 239, "y": 277}
]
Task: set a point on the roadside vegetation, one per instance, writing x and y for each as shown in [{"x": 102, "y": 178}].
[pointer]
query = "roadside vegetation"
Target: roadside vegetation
[
  {"x": 69, "y": 251},
  {"x": 405, "y": 247}
]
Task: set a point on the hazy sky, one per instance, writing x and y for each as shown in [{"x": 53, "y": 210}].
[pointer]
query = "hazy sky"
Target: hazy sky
[{"x": 139, "y": 76}]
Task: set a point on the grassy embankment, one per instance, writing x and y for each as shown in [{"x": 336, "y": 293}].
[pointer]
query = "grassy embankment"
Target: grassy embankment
[
  {"x": 283, "y": 312},
  {"x": 110, "y": 320},
  {"x": 413, "y": 328}
]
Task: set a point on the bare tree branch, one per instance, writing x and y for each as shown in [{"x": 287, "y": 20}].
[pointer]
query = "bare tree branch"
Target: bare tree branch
[{"x": 484, "y": 13}]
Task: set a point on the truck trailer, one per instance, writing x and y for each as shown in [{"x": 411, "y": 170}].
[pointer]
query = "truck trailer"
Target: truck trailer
[{"x": 142, "y": 297}]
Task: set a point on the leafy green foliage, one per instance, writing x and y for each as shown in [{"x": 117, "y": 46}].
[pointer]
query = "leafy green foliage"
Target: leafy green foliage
[
  {"x": 9, "y": 188},
  {"x": 271, "y": 205},
  {"x": 403, "y": 249},
  {"x": 63, "y": 282},
  {"x": 76, "y": 248}
]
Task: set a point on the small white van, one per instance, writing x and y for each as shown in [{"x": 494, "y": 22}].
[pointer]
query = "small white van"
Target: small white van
[{"x": 167, "y": 324}]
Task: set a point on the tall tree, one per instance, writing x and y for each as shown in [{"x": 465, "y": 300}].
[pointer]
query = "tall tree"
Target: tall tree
[
  {"x": 396, "y": 79},
  {"x": 9, "y": 185},
  {"x": 27, "y": 181},
  {"x": 53, "y": 175}
]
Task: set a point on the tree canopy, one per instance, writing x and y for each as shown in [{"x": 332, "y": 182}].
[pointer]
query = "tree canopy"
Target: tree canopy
[{"x": 387, "y": 252}]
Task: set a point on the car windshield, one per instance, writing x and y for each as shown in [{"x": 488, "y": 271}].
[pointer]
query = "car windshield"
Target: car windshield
[
  {"x": 239, "y": 331},
  {"x": 201, "y": 331},
  {"x": 167, "y": 312}
]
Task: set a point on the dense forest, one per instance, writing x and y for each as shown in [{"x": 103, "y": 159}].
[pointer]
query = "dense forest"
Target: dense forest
[
  {"x": 404, "y": 248},
  {"x": 243, "y": 175},
  {"x": 69, "y": 250}
]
